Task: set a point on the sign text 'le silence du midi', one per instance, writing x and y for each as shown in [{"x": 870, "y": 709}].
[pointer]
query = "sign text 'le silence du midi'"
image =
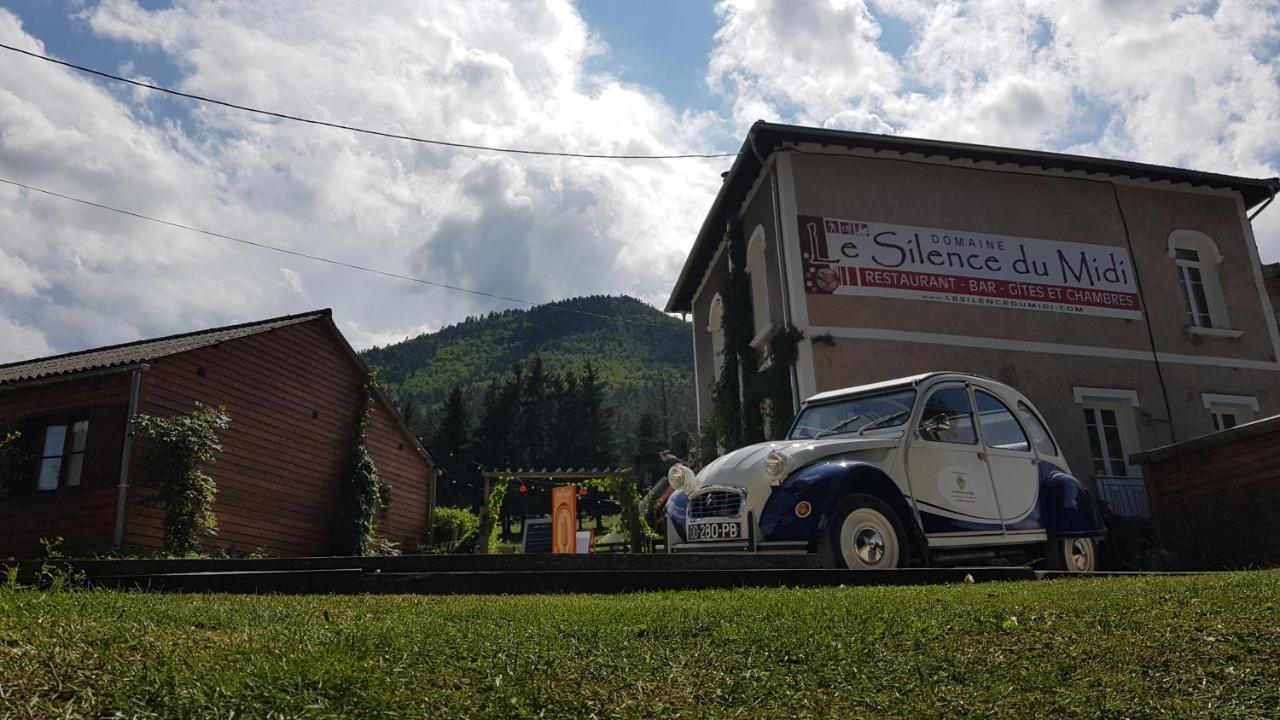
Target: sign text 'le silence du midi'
[{"x": 845, "y": 257}]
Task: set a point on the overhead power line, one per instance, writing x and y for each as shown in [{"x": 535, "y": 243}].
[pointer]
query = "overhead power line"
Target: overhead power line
[
  {"x": 322, "y": 259},
  {"x": 352, "y": 128}
]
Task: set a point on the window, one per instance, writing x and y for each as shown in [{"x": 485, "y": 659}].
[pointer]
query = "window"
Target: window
[
  {"x": 1195, "y": 264},
  {"x": 947, "y": 417},
  {"x": 757, "y": 271},
  {"x": 1112, "y": 428},
  {"x": 1039, "y": 435},
  {"x": 855, "y": 414},
  {"x": 715, "y": 326},
  {"x": 1228, "y": 411},
  {"x": 1191, "y": 280},
  {"x": 1000, "y": 430},
  {"x": 1105, "y": 445},
  {"x": 1224, "y": 420},
  {"x": 62, "y": 455}
]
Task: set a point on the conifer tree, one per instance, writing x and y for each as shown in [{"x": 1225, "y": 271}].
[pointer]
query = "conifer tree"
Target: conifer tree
[
  {"x": 449, "y": 449},
  {"x": 596, "y": 419}
]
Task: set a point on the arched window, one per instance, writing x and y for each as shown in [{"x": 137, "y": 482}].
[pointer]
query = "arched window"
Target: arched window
[
  {"x": 715, "y": 326},
  {"x": 757, "y": 271},
  {"x": 1195, "y": 260}
]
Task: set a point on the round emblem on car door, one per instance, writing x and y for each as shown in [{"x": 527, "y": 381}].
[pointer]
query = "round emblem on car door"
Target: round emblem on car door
[{"x": 958, "y": 487}]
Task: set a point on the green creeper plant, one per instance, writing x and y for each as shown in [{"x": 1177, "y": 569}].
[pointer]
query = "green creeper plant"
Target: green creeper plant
[
  {"x": 180, "y": 446},
  {"x": 363, "y": 494},
  {"x": 739, "y": 394}
]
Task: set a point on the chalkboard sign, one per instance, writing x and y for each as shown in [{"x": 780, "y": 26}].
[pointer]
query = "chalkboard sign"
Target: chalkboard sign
[{"x": 537, "y": 536}]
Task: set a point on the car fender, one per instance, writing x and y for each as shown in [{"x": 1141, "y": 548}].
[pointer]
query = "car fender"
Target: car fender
[
  {"x": 822, "y": 485},
  {"x": 1067, "y": 508},
  {"x": 677, "y": 505}
]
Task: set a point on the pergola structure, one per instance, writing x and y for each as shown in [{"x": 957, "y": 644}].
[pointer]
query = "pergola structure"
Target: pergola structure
[{"x": 540, "y": 475}]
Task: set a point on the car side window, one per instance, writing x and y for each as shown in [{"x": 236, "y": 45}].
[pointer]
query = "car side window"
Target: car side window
[
  {"x": 1039, "y": 435},
  {"x": 1000, "y": 429},
  {"x": 948, "y": 417}
]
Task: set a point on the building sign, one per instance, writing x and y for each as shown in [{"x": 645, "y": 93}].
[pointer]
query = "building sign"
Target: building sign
[{"x": 846, "y": 257}]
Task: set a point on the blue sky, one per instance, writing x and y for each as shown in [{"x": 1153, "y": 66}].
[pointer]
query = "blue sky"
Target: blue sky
[
  {"x": 1191, "y": 83},
  {"x": 662, "y": 44}
]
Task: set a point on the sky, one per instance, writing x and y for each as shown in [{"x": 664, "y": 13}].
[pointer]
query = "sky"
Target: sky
[{"x": 1188, "y": 83}]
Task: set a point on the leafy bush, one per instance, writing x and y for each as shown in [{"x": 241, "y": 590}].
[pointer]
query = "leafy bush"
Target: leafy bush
[
  {"x": 455, "y": 530},
  {"x": 180, "y": 446}
]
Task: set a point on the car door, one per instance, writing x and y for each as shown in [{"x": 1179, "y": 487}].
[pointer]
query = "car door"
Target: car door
[
  {"x": 948, "y": 473},
  {"x": 1014, "y": 470}
]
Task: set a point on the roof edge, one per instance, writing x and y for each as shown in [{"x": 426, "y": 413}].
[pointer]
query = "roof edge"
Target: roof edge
[
  {"x": 1256, "y": 428},
  {"x": 396, "y": 418},
  {"x": 765, "y": 138},
  {"x": 323, "y": 312}
]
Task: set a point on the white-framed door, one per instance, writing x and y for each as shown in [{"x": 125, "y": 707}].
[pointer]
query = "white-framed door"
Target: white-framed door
[
  {"x": 950, "y": 479},
  {"x": 1015, "y": 472},
  {"x": 1111, "y": 428}
]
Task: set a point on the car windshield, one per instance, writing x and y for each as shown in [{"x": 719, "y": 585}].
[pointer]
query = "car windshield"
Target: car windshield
[{"x": 853, "y": 415}]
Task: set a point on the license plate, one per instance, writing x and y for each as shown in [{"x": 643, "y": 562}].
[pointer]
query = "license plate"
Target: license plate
[{"x": 714, "y": 531}]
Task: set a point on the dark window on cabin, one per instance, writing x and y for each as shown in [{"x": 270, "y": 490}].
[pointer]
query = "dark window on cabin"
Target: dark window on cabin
[{"x": 62, "y": 455}]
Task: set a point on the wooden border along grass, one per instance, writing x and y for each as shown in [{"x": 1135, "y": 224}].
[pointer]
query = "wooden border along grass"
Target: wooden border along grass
[{"x": 1139, "y": 646}]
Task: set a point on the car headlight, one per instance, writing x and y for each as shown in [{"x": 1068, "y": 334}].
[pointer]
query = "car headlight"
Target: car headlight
[
  {"x": 680, "y": 476},
  {"x": 775, "y": 466}
]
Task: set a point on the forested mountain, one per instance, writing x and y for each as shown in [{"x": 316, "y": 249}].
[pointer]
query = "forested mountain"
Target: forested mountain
[{"x": 643, "y": 359}]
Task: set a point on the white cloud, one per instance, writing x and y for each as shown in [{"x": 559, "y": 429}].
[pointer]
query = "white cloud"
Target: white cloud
[
  {"x": 1181, "y": 82},
  {"x": 18, "y": 342},
  {"x": 492, "y": 73}
]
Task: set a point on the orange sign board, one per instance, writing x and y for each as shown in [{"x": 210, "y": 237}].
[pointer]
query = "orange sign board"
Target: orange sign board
[{"x": 564, "y": 519}]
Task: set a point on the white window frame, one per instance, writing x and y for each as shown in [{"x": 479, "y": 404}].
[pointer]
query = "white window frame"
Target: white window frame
[
  {"x": 715, "y": 326},
  {"x": 1209, "y": 258},
  {"x": 1122, "y": 402},
  {"x": 757, "y": 269},
  {"x": 1242, "y": 407}
]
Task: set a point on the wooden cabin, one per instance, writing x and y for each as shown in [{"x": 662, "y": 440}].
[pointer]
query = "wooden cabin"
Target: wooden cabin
[{"x": 291, "y": 387}]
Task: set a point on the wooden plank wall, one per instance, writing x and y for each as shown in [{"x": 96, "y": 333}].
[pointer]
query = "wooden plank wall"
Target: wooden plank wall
[
  {"x": 291, "y": 394},
  {"x": 1220, "y": 506},
  {"x": 83, "y": 516}
]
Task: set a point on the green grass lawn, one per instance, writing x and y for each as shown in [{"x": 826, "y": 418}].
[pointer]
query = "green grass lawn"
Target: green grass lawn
[{"x": 1205, "y": 646}]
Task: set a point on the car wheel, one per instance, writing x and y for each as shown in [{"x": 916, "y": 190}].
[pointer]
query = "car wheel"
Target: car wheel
[
  {"x": 1072, "y": 554},
  {"x": 863, "y": 533}
]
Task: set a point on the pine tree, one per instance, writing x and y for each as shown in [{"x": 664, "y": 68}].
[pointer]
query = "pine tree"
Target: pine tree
[
  {"x": 531, "y": 434},
  {"x": 449, "y": 449},
  {"x": 596, "y": 420}
]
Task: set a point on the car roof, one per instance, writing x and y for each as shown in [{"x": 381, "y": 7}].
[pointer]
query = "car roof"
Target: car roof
[{"x": 908, "y": 381}]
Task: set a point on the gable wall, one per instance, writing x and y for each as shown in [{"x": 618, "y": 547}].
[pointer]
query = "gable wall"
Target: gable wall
[{"x": 291, "y": 394}]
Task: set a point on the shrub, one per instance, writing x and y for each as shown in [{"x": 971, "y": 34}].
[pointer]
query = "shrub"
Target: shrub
[{"x": 455, "y": 530}]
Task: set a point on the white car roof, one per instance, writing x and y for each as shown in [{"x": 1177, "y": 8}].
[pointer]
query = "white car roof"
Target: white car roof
[{"x": 910, "y": 380}]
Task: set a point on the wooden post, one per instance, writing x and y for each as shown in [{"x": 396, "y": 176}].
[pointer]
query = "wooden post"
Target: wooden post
[{"x": 482, "y": 542}]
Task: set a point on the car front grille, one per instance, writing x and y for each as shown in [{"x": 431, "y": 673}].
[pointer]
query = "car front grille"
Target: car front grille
[{"x": 715, "y": 503}]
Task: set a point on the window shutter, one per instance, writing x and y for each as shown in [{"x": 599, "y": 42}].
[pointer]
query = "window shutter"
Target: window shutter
[
  {"x": 107, "y": 426},
  {"x": 18, "y": 475}
]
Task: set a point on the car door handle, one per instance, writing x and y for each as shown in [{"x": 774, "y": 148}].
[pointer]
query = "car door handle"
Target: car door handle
[{"x": 982, "y": 456}]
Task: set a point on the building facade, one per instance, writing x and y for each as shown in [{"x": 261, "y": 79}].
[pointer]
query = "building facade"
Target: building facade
[
  {"x": 291, "y": 386},
  {"x": 1126, "y": 300}
]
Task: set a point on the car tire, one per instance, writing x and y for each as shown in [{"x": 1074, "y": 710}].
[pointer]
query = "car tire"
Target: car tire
[
  {"x": 1079, "y": 554},
  {"x": 863, "y": 533}
]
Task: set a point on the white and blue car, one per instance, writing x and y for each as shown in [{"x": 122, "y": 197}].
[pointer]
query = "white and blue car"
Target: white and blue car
[{"x": 935, "y": 469}]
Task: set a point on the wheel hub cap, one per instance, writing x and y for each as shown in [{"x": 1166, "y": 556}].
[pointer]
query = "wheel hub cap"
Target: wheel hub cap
[
  {"x": 869, "y": 545},
  {"x": 1079, "y": 555}
]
